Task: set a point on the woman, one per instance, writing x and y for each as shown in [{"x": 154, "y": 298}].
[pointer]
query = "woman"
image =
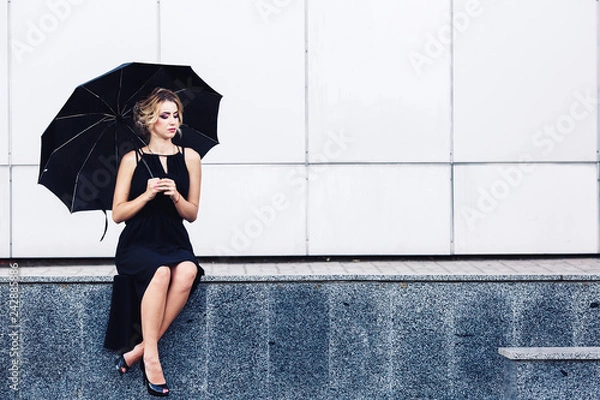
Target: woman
[{"x": 154, "y": 248}]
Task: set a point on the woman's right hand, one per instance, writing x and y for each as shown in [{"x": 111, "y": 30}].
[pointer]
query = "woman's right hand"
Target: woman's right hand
[{"x": 152, "y": 188}]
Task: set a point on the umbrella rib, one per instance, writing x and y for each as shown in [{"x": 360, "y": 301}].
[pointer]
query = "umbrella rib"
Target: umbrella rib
[
  {"x": 83, "y": 165},
  {"x": 77, "y": 136},
  {"x": 202, "y": 133},
  {"x": 119, "y": 92},
  {"x": 144, "y": 85},
  {"x": 148, "y": 80},
  {"x": 100, "y": 98},
  {"x": 139, "y": 139},
  {"x": 83, "y": 115}
]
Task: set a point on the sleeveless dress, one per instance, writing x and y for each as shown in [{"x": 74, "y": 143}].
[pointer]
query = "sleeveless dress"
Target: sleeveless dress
[{"x": 152, "y": 238}]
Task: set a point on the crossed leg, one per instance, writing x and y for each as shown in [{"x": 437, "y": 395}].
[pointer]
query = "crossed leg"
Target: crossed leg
[{"x": 163, "y": 300}]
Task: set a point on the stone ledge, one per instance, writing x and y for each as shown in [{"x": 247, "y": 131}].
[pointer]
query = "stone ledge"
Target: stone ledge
[
  {"x": 363, "y": 270},
  {"x": 550, "y": 353},
  {"x": 320, "y": 278}
]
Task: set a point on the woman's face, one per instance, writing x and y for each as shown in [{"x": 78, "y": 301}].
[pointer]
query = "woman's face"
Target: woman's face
[{"x": 168, "y": 120}]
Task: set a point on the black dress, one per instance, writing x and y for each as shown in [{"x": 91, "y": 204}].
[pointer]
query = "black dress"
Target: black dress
[{"x": 152, "y": 238}]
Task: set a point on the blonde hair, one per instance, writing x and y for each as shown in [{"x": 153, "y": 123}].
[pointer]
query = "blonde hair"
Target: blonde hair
[{"x": 146, "y": 111}]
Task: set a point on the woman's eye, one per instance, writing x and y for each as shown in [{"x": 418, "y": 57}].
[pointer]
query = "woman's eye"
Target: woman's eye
[
  {"x": 176, "y": 116},
  {"x": 164, "y": 116}
]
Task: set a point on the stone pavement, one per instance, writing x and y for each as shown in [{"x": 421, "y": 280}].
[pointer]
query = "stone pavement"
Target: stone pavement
[{"x": 314, "y": 269}]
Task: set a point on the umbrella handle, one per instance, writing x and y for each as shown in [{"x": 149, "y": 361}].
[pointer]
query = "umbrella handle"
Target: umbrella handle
[
  {"x": 140, "y": 154},
  {"x": 105, "y": 225},
  {"x": 104, "y": 211},
  {"x": 138, "y": 151},
  {"x": 148, "y": 168}
]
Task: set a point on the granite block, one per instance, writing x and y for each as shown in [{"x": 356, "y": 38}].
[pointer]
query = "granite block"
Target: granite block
[
  {"x": 52, "y": 340},
  {"x": 183, "y": 349},
  {"x": 360, "y": 331},
  {"x": 94, "y": 301},
  {"x": 237, "y": 346},
  {"x": 586, "y": 317},
  {"x": 421, "y": 342},
  {"x": 10, "y": 341},
  {"x": 545, "y": 314},
  {"x": 299, "y": 341},
  {"x": 552, "y": 380},
  {"x": 101, "y": 379},
  {"x": 482, "y": 319}
]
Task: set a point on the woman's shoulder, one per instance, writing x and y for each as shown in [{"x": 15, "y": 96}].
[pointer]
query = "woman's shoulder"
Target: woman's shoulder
[
  {"x": 130, "y": 156},
  {"x": 129, "y": 159},
  {"x": 190, "y": 154}
]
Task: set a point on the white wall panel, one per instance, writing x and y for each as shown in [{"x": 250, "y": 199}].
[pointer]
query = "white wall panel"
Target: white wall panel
[
  {"x": 43, "y": 227},
  {"x": 251, "y": 210},
  {"x": 374, "y": 79},
  {"x": 526, "y": 208},
  {"x": 525, "y": 81},
  {"x": 4, "y": 212},
  {"x": 254, "y": 57},
  {"x": 56, "y": 48},
  {"x": 379, "y": 91},
  {"x": 3, "y": 84},
  {"x": 379, "y": 209}
]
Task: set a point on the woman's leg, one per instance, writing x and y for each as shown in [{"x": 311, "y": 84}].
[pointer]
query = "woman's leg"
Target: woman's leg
[
  {"x": 182, "y": 279},
  {"x": 152, "y": 314}
]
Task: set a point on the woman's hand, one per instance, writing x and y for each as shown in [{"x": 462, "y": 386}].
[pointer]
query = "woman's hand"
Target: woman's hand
[
  {"x": 152, "y": 188},
  {"x": 169, "y": 188},
  {"x": 124, "y": 208},
  {"x": 166, "y": 186}
]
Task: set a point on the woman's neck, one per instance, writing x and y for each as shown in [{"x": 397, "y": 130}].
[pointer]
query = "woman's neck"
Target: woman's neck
[{"x": 161, "y": 146}]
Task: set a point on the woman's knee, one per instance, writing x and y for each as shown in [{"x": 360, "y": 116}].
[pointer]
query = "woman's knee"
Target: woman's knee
[
  {"x": 162, "y": 275},
  {"x": 185, "y": 274}
]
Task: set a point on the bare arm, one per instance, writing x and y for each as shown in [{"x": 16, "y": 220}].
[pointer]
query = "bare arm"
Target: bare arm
[{"x": 123, "y": 209}]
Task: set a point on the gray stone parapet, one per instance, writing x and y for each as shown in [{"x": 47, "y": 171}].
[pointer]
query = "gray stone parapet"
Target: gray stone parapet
[{"x": 369, "y": 329}]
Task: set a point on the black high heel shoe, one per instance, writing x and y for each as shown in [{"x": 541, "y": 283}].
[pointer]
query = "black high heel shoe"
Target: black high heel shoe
[
  {"x": 121, "y": 365},
  {"x": 153, "y": 389}
]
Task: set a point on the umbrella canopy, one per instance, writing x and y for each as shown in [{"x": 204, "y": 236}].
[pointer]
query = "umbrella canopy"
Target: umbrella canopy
[{"x": 83, "y": 146}]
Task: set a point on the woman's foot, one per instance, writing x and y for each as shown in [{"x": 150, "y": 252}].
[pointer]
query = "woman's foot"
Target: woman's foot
[
  {"x": 152, "y": 373},
  {"x": 122, "y": 365},
  {"x": 129, "y": 359}
]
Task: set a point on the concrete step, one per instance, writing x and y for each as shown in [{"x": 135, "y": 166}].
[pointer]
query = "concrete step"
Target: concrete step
[{"x": 551, "y": 372}]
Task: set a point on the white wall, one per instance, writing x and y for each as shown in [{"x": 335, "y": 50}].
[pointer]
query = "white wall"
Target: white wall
[
  {"x": 346, "y": 127},
  {"x": 4, "y": 168}
]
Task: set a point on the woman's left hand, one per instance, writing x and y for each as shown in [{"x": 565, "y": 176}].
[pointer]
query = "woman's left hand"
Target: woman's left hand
[{"x": 169, "y": 188}]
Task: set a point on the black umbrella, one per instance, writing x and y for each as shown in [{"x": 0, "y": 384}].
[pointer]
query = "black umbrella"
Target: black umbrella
[{"x": 83, "y": 145}]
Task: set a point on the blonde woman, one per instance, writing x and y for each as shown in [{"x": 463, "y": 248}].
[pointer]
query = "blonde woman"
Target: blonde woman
[{"x": 154, "y": 248}]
